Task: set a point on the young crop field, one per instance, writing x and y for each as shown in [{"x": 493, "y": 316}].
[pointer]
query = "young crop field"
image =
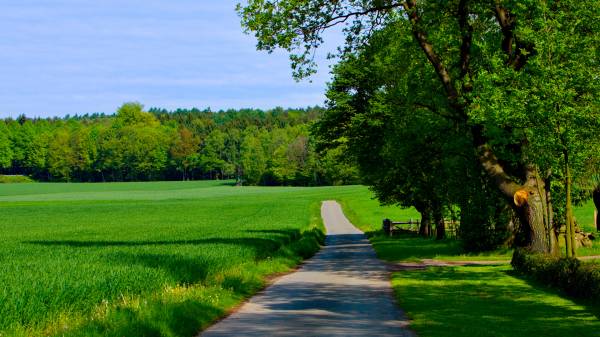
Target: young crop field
[{"x": 164, "y": 258}]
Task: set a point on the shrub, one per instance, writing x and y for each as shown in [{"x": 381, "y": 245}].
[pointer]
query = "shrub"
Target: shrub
[
  {"x": 14, "y": 179},
  {"x": 484, "y": 222},
  {"x": 484, "y": 218},
  {"x": 576, "y": 278},
  {"x": 588, "y": 281}
]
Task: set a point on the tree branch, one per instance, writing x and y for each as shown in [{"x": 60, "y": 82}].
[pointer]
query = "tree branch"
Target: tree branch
[
  {"x": 508, "y": 187},
  {"x": 411, "y": 8},
  {"x": 467, "y": 37},
  {"x": 438, "y": 112},
  {"x": 517, "y": 51},
  {"x": 344, "y": 17}
]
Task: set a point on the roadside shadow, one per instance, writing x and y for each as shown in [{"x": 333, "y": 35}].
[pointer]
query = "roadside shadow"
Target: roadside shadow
[
  {"x": 254, "y": 242},
  {"x": 287, "y": 234},
  {"x": 183, "y": 270},
  {"x": 407, "y": 247}
]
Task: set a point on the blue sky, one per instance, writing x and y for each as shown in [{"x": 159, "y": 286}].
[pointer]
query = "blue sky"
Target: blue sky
[{"x": 61, "y": 57}]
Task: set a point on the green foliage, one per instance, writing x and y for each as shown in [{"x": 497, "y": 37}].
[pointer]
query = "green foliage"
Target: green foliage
[
  {"x": 572, "y": 276},
  {"x": 486, "y": 222},
  {"x": 14, "y": 179},
  {"x": 184, "y": 150},
  {"x": 391, "y": 118},
  {"x": 337, "y": 168},
  {"x": 516, "y": 80},
  {"x": 253, "y": 157},
  {"x": 6, "y": 152},
  {"x": 252, "y": 146},
  {"x": 133, "y": 113}
]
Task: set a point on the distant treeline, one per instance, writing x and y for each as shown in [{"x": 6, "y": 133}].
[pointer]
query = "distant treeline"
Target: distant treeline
[{"x": 271, "y": 147}]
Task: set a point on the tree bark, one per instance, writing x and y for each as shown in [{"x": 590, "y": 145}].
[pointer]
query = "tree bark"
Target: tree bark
[
  {"x": 553, "y": 232},
  {"x": 570, "y": 237},
  {"x": 440, "y": 226},
  {"x": 596, "y": 198},
  {"x": 528, "y": 200},
  {"x": 425, "y": 228},
  {"x": 532, "y": 218}
]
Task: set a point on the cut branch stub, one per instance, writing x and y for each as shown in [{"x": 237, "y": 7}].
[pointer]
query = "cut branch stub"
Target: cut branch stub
[{"x": 520, "y": 198}]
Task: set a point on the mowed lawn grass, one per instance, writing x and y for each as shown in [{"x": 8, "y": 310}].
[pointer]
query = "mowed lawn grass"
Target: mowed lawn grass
[
  {"x": 584, "y": 214},
  {"x": 475, "y": 301},
  {"x": 132, "y": 259}
]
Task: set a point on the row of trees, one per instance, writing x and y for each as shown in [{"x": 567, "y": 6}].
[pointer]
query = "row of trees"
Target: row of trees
[
  {"x": 489, "y": 109},
  {"x": 252, "y": 146}
]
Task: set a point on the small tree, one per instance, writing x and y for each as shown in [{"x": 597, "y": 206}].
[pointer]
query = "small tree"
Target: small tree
[
  {"x": 6, "y": 153},
  {"x": 184, "y": 149}
]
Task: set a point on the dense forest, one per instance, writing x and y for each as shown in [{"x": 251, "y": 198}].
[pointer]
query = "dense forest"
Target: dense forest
[{"x": 252, "y": 146}]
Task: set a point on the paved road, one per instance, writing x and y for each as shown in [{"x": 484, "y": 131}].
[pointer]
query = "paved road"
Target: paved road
[{"x": 343, "y": 290}]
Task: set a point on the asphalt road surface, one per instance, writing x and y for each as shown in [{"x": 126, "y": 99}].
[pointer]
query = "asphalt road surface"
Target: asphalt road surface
[{"x": 344, "y": 290}]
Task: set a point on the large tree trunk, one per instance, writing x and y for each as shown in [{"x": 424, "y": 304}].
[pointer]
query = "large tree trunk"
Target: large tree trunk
[
  {"x": 529, "y": 200},
  {"x": 596, "y": 198},
  {"x": 440, "y": 226},
  {"x": 425, "y": 228},
  {"x": 533, "y": 223}
]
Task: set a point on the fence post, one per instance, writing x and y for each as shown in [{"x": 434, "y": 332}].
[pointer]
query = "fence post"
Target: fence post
[{"x": 387, "y": 226}]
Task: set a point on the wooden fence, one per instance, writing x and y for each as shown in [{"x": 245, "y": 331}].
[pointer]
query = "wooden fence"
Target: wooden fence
[{"x": 412, "y": 226}]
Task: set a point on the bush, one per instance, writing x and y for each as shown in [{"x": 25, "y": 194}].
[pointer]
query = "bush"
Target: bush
[
  {"x": 484, "y": 219},
  {"x": 588, "y": 281},
  {"x": 576, "y": 278},
  {"x": 484, "y": 228},
  {"x": 14, "y": 179}
]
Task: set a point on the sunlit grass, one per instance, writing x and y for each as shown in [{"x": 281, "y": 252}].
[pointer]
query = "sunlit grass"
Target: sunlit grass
[{"x": 133, "y": 259}]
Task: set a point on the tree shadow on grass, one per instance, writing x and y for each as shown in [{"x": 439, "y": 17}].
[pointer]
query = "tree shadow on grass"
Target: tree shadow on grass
[
  {"x": 185, "y": 317},
  {"x": 406, "y": 247},
  {"x": 284, "y": 232},
  {"x": 181, "y": 269},
  {"x": 475, "y": 301},
  {"x": 402, "y": 247},
  {"x": 284, "y": 235},
  {"x": 254, "y": 242},
  {"x": 592, "y": 306}
]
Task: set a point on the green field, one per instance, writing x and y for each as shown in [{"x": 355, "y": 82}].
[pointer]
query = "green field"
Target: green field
[
  {"x": 163, "y": 258},
  {"x": 168, "y": 258}
]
